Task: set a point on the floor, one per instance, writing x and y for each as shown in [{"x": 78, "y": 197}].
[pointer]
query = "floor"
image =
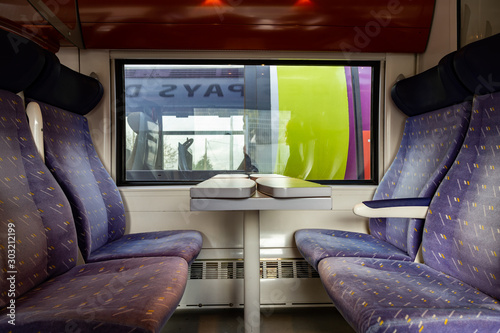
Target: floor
[{"x": 275, "y": 320}]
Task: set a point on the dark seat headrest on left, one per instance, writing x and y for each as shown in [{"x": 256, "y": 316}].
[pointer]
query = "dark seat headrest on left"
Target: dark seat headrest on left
[
  {"x": 21, "y": 61},
  {"x": 64, "y": 88}
]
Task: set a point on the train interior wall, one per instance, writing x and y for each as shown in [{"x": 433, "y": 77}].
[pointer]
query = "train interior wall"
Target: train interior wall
[{"x": 164, "y": 208}]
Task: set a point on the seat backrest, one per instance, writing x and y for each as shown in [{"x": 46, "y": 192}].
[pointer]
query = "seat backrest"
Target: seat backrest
[
  {"x": 462, "y": 229},
  {"x": 38, "y": 236},
  {"x": 147, "y": 142},
  {"x": 185, "y": 155},
  {"x": 71, "y": 157},
  {"x": 430, "y": 143}
]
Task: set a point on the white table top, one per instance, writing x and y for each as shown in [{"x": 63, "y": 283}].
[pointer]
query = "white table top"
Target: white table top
[
  {"x": 230, "y": 176},
  {"x": 261, "y": 201},
  {"x": 292, "y": 188},
  {"x": 216, "y": 188},
  {"x": 233, "y": 194},
  {"x": 255, "y": 176}
]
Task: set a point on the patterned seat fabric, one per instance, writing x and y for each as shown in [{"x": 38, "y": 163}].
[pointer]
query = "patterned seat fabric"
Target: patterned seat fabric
[
  {"x": 129, "y": 295},
  {"x": 41, "y": 289},
  {"x": 26, "y": 205},
  {"x": 95, "y": 199},
  {"x": 380, "y": 295},
  {"x": 429, "y": 146},
  {"x": 458, "y": 287},
  {"x": 96, "y": 203}
]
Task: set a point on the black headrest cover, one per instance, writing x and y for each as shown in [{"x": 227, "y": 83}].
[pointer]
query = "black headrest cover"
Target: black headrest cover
[
  {"x": 436, "y": 88},
  {"x": 62, "y": 87},
  {"x": 478, "y": 65},
  {"x": 20, "y": 61}
]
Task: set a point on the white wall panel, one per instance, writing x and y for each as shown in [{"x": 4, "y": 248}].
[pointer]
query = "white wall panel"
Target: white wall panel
[
  {"x": 69, "y": 57},
  {"x": 277, "y": 228},
  {"x": 219, "y": 230},
  {"x": 155, "y": 199},
  {"x": 394, "y": 119},
  {"x": 100, "y": 119},
  {"x": 443, "y": 36}
]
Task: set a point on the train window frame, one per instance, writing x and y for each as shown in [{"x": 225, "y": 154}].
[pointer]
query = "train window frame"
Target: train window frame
[{"x": 160, "y": 177}]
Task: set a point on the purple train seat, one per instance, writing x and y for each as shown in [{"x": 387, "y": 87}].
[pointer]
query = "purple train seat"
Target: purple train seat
[
  {"x": 64, "y": 97},
  {"x": 41, "y": 288},
  {"x": 458, "y": 287},
  {"x": 439, "y": 113}
]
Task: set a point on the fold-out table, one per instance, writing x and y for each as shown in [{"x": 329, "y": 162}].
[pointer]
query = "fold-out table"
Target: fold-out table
[{"x": 239, "y": 193}]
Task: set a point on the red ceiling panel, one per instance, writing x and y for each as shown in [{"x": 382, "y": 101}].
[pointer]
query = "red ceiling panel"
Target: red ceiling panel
[
  {"x": 394, "y": 13},
  {"x": 313, "y": 25},
  {"x": 262, "y": 37},
  {"x": 19, "y": 17}
]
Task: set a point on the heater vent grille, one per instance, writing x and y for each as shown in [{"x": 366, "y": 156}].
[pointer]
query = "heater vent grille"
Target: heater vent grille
[{"x": 234, "y": 269}]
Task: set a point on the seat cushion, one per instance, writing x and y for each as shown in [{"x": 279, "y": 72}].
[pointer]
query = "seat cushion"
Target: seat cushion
[
  {"x": 379, "y": 295},
  {"x": 317, "y": 244},
  {"x": 137, "y": 294},
  {"x": 180, "y": 243}
]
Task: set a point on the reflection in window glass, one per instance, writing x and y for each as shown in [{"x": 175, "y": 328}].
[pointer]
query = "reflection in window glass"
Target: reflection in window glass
[{"x": 188, "y": 122}]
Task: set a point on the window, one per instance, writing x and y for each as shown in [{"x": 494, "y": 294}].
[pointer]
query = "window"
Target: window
[{"x": 182, "y": 122}]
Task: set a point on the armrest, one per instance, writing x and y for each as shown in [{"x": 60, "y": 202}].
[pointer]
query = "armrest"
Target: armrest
[{"x": 403, "y": 208}]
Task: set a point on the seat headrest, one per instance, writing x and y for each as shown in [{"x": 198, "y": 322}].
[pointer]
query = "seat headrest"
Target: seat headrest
[
  {"x": 64, "y": 88},
  {"x": 21, "y": 61},
  {"x": 434, "y": 89},
  {"x": 478, "y": 65}
]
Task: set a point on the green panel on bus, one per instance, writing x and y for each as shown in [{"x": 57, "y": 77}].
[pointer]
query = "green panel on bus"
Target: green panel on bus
[{"x": 314, "y": 142}]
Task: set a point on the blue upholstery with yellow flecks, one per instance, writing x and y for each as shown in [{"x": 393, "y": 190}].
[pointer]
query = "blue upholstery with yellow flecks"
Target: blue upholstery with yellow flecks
[
  {"x": 381, "y": 295},
  {"x": 458, "y": 287},
  {"x": 97, "y": 205},
  {"x": 429, "y": 146},
  {"x": 27, "y": 204},
  {"x": 128, "y": 295},
  {"x": 41, "y": 290},
  {"x": 39, "y": 282},
  {"x": 64, "y": 97},
  {"x": 462, "y": 231}
]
